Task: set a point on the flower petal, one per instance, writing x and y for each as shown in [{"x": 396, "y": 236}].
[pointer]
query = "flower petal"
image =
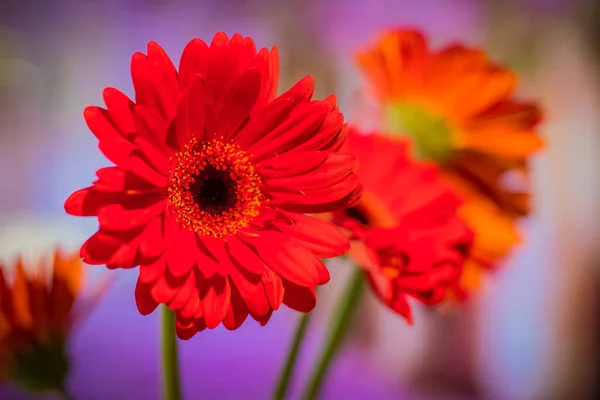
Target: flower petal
[
  {"x": 120, "y": 217},
  {"x": 181, "y": 255},
  {"x": 143, "y": 299},
  {"x": 237, "y": 311},
  {"x": 194, "y": 61},
  {"x": 273, "y": 288},
  {"x": 299, "y": 298},
  {"x": 287, "y": 258},
  {"x": 239, "y": 103},
  {"x": 216, "y": 301},
  {"x": 191, "y": 119},
  {"x": 150, "y": 272},
  {"x": 329, "y": 242},
  {"x": 244, "y": 257},
  {"x": 155, "y": 82},
  {"x": 184, "y": 294}
]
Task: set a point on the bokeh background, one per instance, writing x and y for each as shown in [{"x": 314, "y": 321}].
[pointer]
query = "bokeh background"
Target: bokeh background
[{"x": 533, "y": 331}]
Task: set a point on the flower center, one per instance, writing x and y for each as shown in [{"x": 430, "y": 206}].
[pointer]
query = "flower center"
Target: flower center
[
  {"x": 214, "y": 189},
  {"x": 432, "y": 134}
]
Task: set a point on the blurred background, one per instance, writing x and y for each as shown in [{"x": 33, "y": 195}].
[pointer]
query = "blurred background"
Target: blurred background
[{"x": 532, "y": 333}]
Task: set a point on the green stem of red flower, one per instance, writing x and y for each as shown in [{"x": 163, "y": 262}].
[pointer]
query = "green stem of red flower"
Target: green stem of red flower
[
  {"x": 170, "y": 361},
  {"x": 288, "y": 370},
  {"x": 343, "y": 314}
]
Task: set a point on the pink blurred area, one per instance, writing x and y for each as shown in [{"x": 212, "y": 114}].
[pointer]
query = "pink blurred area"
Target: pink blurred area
[{"x": 531, "y": 333}]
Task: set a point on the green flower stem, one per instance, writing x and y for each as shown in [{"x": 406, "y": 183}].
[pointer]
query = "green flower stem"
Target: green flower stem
[
  {"x": 170, "y": 362},
  {"x": 290, "y": 363},
  {"x": 343, "y": 317}
]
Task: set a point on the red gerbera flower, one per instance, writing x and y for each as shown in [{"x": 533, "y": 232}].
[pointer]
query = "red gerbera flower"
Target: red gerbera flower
[
  {"x": 406, "y": 233},
  {"x": 212, "y": 176}
]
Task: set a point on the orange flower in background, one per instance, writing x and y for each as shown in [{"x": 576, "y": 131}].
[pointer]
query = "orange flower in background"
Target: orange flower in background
[
  {"x": 212, "y": 181},
  {"x": 405, "y": 232},
  {"x": 459, "y": 110},
  {"x": 38, "y": 310}
]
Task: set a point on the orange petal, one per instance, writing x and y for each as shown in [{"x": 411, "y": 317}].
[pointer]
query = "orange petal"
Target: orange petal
[
  {"x": 20, "y": 294},
  {"x": 495, "y": 232}
]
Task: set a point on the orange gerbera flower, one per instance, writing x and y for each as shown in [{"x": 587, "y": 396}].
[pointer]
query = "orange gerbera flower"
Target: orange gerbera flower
[
  {"x": 37, "y": 312},
  {"x": 458, "y": 108}
]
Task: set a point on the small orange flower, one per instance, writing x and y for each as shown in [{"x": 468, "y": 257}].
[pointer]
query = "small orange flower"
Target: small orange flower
[
  {"x": 37, "y": 312},
  {"x": 459, "y": 110}
]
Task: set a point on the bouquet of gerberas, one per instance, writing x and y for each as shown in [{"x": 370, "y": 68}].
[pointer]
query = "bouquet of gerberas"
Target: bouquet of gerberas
[{"x": 227, "y": 197}]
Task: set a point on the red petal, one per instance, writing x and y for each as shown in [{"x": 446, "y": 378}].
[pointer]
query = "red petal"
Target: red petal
[
  {"x": 158, "y": 234},
  {"x": 303, "y": 89},
  {"x": 149, "y": 273},
  {"x": 239, "y": 103},
  {"x": 206, "y": 264},
  {"x": 274, "y": 114},
  {"x": 130, "y": 157},
  {"x": 299, "y": 298},
  {"x": 119, "y": 217},
  {"x": 126, "y": 255},
  {"x": 181, "y": 255},
  {"x": 165, "y": 72},
  {"x": 263, "y": 320},
  {"x": 88, "y": 201},
  {"x": 192, "y": 307},
  {"x": 194, "y": 61},
  {"x": 120, "y": 108},
  {"x": 99, "y": 121},
  {"x": 273, "y": 288},
  {"x": 153, "y": 129},
  {"x": 100, "y": 247},
  {"x": 401, "y": 306},
  {"x": 302, "y": 123},
  {"x": 332, "y": 186},
  {"x": 237, "y": 311},
  {"x": 253, "y": 293},
  {"x": 287, "y": 258},
  {"x": 216, "y": 302},
  {"x": 291, "y": 164},
  {"x": 153, "y": 86},
  {"x": 184, "y": 294},
  {"x": 185, "y": 331},
  {"x": 114, "y": 179},
  {"x": 163, "y": 291},
  {"x": 144, "y": 301},
  {"x": 244, "y": 50},
  {"x": 244, "y": 256},
  {"x": 223, "y": 68},
  {"x": 268, "y": 63},
  {"x": 315, "y": 235},
  {"x": 191, "y": 114},
  {"x": 213, "y": 249}
]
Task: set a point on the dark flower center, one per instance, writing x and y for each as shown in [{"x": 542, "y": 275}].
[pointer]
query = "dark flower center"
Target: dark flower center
[{"x": 214, "y": 191}]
